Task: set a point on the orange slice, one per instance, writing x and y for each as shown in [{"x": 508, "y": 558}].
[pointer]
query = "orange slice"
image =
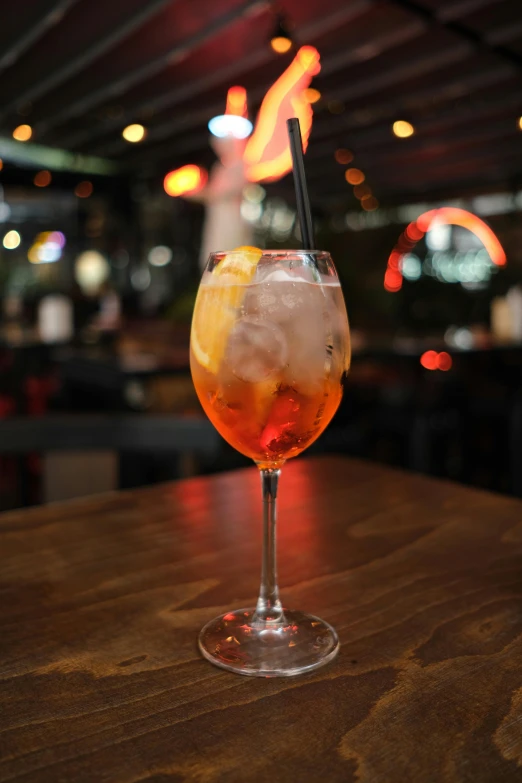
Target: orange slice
[{"x": 217, "y": 303}]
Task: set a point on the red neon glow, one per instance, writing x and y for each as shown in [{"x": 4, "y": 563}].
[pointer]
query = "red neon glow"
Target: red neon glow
[
  {"x": 237, "y": 102},
  {"x": 185, "y": 181},
  {"x": 267, "y": 154},
  {"x": 452, "y": 216}
]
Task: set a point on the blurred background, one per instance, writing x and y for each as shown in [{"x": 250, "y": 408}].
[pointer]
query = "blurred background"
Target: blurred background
[{"x": 415, "y": 174}]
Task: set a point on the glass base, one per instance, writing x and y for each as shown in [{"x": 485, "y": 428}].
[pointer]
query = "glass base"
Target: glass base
[{"x": 236, "y": 642}]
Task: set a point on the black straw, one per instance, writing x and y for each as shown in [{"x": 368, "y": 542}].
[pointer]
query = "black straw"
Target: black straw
[{"x": 301, "y": 191}]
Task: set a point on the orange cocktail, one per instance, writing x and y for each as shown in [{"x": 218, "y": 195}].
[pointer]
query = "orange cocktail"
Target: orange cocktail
[{"x": 269, "y": 352}]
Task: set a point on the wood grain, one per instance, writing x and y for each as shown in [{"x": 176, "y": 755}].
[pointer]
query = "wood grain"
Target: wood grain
[{"x": 102, "y": 600}]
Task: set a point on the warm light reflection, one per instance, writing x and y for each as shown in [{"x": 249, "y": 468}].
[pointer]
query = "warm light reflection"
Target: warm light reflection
[
  {"x": 42, "y": 179},
  {"x": 267, "y": 154},
  {"x": 520, "y": 123},
  {"x": 22, "y": 133},
  {"x": 403, "y": 129},
  {"x": 83, "y": 189},
  {"x": 1, "y": 164},
  {"x": 354, "y": 176},
  {"x": 312, "y": 95},
  {"x": 185, "y": 181},
  {"x": 343, "y": 156},
  {"x": 280, "y": 44},
  {"x": 134, "y": 133},
  {"x": 443, "y": 215}
]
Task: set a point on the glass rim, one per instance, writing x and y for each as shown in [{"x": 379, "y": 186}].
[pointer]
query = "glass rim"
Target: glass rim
[{"x": 272, "y": 252}]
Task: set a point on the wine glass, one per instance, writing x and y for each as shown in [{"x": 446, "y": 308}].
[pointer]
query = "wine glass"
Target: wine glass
[{"x": 270, "y": 348}]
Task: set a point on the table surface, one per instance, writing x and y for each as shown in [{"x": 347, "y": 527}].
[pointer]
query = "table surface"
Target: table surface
[{"x": 102, "y": 600}]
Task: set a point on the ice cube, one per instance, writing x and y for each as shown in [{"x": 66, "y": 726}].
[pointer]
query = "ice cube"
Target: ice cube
[{"x": 256, "y": 349}]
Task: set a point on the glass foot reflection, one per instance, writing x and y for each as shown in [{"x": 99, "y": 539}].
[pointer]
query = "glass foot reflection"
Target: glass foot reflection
[{"x": 235, "y": 641}]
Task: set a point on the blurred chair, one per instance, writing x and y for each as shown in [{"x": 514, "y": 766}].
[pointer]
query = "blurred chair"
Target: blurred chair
[{"x": 81, "y": 453}]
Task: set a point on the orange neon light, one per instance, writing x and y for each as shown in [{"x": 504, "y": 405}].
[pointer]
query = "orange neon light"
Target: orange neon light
[
  {"x": 185, "y": 181},
  {"x": 237, "y": 102},
  {"x": 267, "y": 154},
  {"x": 418, "y": 228}
]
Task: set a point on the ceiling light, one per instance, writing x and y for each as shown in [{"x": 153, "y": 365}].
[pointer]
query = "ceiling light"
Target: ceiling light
[
  {"x": 22, "y": 133},
  {"x": 281, "y": 38},
  {"x": 403, "y": 129},
  {"x": 134, "y": 133}
]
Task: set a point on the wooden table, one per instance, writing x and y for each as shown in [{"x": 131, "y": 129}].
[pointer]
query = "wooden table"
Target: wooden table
[{"x": 102, "y": 600}]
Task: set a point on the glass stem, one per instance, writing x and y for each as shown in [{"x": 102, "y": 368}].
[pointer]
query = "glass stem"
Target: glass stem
[{"x": 269, "y": 610}]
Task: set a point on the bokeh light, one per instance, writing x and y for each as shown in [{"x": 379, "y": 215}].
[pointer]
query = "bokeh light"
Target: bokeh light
[
  {"x": 42, "y": 179},
  {"x": 231, "y": 125},
  {"x": 520, "y": 123},
  {"x": 11, "y": 240},
  {"x": 83, "y": 189},
  {"x": 46, "y": 248},
  {"x": 354, "y": 176},
  {"x": 134, "y": 133},
  {"x": 161, "y": 255},
  {"x": 312, "y": 95},
  {"x": 91, "y": 270},
  {"x": 362, "y": 191},
  {"x": 444, "y": 361},
  {"x": 370, "y": 204},
  {"x": 186, "y": 180},
  {"x": 281, "y": 44},
  {"x": 22, "y": 133},
  {"x": 430, "y": 360},
  {"x": 402, "y": 129},
  {"x": 343, "y": 156}
]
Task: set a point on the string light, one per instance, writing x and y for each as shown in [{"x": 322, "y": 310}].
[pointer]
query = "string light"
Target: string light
[
  {"x": 134, "y": 133},
  {"x": 42, "y": 179},
  {"x": 343, "y": 156},
  {"x": 354, "y": 176},
  {"x": 83, "y": 189},
  {"x": 22, "y": 133},
  {"x": 362, "y": 192},
  {"x": 403, "y": 129},
  {"x": 370, "y": 204}
]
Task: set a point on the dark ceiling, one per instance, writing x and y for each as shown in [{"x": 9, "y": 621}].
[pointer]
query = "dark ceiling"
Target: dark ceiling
[{"x": 80, "y": 70}]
